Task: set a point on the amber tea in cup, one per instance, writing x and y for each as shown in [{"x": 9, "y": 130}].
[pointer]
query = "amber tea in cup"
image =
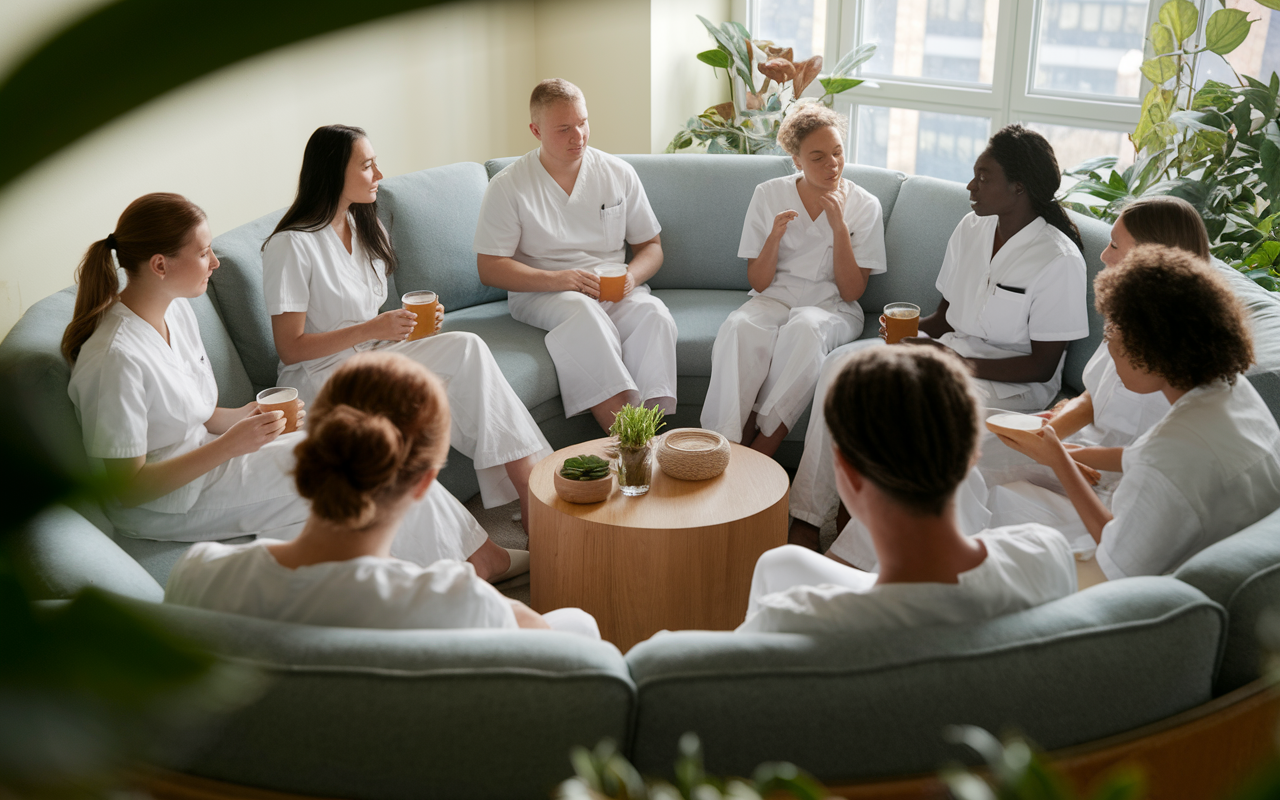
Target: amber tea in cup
[
  {"x": 281, "y": 398},
  {"x": 424, "y": 305},
  {"x": 613, "y": 281},
  {"x": 901, "y": 321}
]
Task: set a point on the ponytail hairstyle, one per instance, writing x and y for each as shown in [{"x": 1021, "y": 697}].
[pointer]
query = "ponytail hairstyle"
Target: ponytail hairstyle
[
  {"x": 379, "y": 423},
  {"x": 159, "y": 223},
  {"x": 1168, "y": 221},
  {"x": 320, "y": 184},
  {"x": 907, "y": 419},
  {"x": 1027, "y": 158}
]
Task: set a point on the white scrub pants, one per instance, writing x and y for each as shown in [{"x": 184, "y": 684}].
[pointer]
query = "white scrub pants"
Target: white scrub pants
[
  {"x": 786, "y": 567},
  {"x": 573, "y": 620},
  {"x": 813, "y": 492},
  {"x": 767, "y": 358},
  {"x": 255, "y": 494},
  {"x": 489, "y": 424},
  {"x": 603, "y": 349}
]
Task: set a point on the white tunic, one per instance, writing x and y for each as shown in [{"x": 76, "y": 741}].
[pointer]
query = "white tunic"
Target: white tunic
[
  {"x": 795, "y": 590},
  {"x": 1208, "y": 469},
  {"x": 599, "y": 349},
  {"x": 312, "y": 272},
  {"x": 1032, "y": 290},
  {"x": 768, "y": 353},
  {"x": 136, "y": 395},
  {"x": 365, "y": 592}
]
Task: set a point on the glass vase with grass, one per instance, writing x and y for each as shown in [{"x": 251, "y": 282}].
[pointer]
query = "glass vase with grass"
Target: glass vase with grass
[{"x": 635, "y": 427}]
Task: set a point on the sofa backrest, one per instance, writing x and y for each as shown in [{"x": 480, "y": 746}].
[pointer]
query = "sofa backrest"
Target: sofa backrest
[
  {"x": 403, "y": 713},
  {"x": 1096, "y": 663},
  {"x": 1242, "y": 574}
]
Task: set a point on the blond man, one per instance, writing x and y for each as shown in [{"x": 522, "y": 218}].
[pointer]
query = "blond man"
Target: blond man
[{"x": 547, "y": 221}]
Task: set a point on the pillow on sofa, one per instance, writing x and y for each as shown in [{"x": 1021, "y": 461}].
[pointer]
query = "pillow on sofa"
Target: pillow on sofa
[
  {"x": 237, "y": 286},
  {"x": 1103, "y": 661},
  {"x": 1242, "y": 573}
]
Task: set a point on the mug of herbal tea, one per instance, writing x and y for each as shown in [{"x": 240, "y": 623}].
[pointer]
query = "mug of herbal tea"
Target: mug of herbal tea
[
  {"x": 613, "y": 281},
  {"x": 281, "y": 398},
  {"x": 901, "y": 321},
  {"x": 424, "y": 305}
]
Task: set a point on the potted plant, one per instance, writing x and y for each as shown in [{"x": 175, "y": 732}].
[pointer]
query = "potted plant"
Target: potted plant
[
  {"x": 584, "y": 479},
  {"x": 635, "y": 427}
]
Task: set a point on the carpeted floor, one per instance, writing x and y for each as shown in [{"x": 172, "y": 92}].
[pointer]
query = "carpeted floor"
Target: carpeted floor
[{"x": 507, "y": 532}]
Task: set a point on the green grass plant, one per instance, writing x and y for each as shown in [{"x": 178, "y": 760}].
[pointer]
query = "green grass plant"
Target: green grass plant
[{"x": 634, "y": 426}]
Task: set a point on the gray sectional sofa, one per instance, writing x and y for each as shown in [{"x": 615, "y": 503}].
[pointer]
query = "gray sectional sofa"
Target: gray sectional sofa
[{"x": 387, "y": 714}]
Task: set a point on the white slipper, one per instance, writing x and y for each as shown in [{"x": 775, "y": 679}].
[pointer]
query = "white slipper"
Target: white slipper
[{"x": 519, "y": 565}]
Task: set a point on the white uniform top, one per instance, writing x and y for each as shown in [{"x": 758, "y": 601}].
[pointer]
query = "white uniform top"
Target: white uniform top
[
  {"x": 1119, "y": 415},
  {"x": 1026, "y": 565},
  {"x": 312, "y": 271},
  {"x": 137, "y": 395},
  {"x": 365, "y": 592},
  {"x": 1034, "y": 289},
  {"x": 806, "y": 263},
  {"x": 525, "y": 214},
  {"x": 1210, "y": 468}
]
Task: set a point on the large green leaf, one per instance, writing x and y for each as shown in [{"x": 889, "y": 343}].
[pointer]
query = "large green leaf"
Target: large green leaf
[
  {"x": 838, "y": 85},
  {"x": 131, "y": 51},
  {"x": 1182, "y": 18},
  {"x": 716, "y": 58},
  {"x": 1092, "y": 165},
  {"x": 1161, "y": 38},
  {"x": 1158, "y": 70},
  {"x": 1215, "y": 94},
  {"x": 1226, "y": 29},
  {"x": 1273, "y": 4},
  {"x": 853, "y": 59}
]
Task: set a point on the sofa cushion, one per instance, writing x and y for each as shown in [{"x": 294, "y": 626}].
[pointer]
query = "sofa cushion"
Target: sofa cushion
[
  {"x": 1241, "y": 573},
  {"x": 1103, "y": 661},
  {"x": 517, "y": 348},
  {"x": 698, "y": 313},
  {"x": 237, "y": 285},
  {"x": 396, "y": 714},
  {"x": 432, "y": 216},
  {"x": 60, "y": 552}
]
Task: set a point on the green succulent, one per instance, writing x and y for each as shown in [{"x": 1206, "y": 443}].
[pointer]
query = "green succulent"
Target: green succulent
[{"x": 585, "y": 468}]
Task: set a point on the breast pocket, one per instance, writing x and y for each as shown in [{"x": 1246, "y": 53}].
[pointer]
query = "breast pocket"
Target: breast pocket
[
  {"x": 613, "y": 222},
  {"x": 1005, "y": 318}
]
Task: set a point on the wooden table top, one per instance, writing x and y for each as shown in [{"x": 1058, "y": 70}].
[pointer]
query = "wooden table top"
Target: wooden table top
[{"x": 750, "y": 484}]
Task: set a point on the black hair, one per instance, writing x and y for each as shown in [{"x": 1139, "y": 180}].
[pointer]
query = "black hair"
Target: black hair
[{"x": 1027, "y": 158}]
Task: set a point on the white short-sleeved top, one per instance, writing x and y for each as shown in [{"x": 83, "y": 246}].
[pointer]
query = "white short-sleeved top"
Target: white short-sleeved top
[
  {"x": 365, "y": 592},
  {"x": 806, "y": 260},
  {"x": 1026, "y": 565},
  {"x": 525, "y": 214},
  {"x": 137, "y": 395},
  {"x": 312, "y": 271},
  {"x": 1033, "y": 290},
  {"x": 1119, "y": 415},
  {"x": 1208, "y": 469}
]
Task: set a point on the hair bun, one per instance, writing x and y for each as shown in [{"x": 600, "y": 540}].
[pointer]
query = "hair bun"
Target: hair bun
[{"x": 347, "y": 459}]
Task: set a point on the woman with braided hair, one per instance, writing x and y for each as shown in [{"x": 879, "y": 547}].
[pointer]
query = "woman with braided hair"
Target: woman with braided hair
[
  {"x": 905, "y": 425},
  {"x": 376, "y": 439},
  {"x": 1013, "y": 296}
]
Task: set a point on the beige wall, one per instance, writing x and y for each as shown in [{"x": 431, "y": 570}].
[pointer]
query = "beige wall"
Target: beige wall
[{"x": 433, "y": 87}]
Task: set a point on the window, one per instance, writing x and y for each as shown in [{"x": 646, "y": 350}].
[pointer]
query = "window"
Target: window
[{"x": 951, "y": 72}]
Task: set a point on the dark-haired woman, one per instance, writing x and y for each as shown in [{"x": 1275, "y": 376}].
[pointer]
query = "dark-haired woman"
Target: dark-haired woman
[
  {"x": 1013, "y": 296},
  {"x": 1211, "y": 466},
  {"x": 377, "y": 437},
  {"x": 325, "y": 275},
  {"x": 901, "y": 485},
  {"x": 144, "y": 391}
]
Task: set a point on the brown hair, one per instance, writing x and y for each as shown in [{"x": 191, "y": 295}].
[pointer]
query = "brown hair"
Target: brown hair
[
  {"x": 159, "y": 223},
  {"x": 804, "y": 121},
  {"x": 1170, "y": 221},
  {"x": 1175, "y": 316},
  {"x": 379, "y": 423},
  {"x": 907, "y": 419},
  {"x": 552, "y": 90}
]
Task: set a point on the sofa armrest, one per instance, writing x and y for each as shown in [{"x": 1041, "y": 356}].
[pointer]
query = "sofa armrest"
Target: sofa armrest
[{"x": 60, "y": 552}]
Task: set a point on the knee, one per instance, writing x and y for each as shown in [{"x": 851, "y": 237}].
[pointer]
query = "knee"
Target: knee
[{"x": 806, "y": 324}]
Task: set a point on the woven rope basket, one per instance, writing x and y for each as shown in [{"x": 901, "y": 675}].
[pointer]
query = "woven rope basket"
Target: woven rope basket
[{"x": 693, "y": 454}]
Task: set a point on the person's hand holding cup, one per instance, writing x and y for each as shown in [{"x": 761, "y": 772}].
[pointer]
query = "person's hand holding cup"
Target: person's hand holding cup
[
  {"x": 900, "y": 321},
  {"x": 613, "y": 282},
  {"x": 424, "y": 304}
]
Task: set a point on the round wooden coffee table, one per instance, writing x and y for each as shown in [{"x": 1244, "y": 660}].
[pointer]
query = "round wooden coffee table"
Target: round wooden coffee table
[{"x": 678, "y": 557}]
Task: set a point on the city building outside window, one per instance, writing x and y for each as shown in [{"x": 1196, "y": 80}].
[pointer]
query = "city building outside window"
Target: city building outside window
[{"x": 949, "y": 73}]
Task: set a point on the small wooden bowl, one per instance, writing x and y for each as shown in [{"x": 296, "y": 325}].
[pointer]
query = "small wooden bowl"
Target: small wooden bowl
[
  {"x": 693, "y": 454},
  {"x": 595, "y": 491},
  {"x": 1009, "y": 424}
]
